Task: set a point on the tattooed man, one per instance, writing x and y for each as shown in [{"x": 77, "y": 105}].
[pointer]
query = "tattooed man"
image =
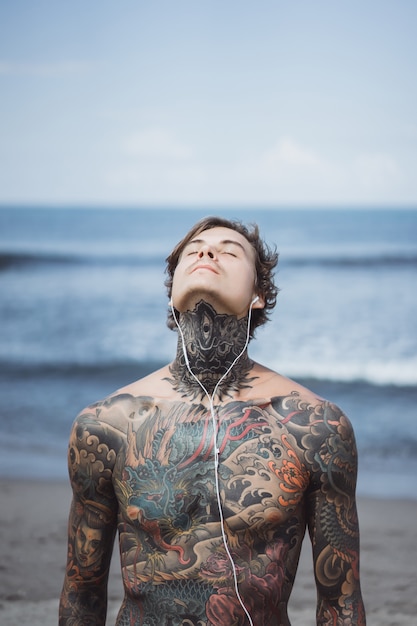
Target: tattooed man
[{"x": 212, "y": 468}]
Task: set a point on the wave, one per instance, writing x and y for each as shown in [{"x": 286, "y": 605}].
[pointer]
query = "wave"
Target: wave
[
  {"x": 23, "y": 259},
  {"x": 49, "y": 369},
  {"x": 402, "y": 448},
  {"x": 386, "y": 260},
  {"x": 399, "y": 374},
  {"x": 114, "y": 374}
]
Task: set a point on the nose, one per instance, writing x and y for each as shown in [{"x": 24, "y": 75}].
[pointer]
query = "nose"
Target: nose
[{"x": 206, "y": 250}]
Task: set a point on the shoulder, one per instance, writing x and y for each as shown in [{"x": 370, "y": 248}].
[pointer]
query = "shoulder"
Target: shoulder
[
  {"x": 154, "y": 385},
  {"x": 322, "y": 429},
  {"x": 105, "y": 415},
  {"x": 286, "y": 392},
  {"x": 325, "y": 439},
  {"x": 272, "y": 384},
  {"x": 110, "y": 417},
  {"x": 117, "y": 405},
  {"x": 316, "y": 418}
]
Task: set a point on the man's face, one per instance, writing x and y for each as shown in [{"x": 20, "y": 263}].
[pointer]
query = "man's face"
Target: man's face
[{"x": 217, "y": 266}]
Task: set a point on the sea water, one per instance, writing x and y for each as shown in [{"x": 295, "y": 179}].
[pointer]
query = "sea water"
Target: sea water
[{"x": 83, "y": 311}]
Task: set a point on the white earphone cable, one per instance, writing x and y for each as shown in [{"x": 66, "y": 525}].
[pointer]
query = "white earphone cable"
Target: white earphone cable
[{"x": 216, "y": 449}]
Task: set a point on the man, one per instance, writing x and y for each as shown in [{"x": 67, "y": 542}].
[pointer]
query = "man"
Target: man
[{"x": 212, "y": 467}]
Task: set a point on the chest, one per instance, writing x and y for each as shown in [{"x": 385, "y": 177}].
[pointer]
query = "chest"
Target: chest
[{"x": 167, "y": 470}]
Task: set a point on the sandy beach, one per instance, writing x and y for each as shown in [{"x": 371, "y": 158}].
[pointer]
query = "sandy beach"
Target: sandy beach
[{"x": 33, "y": 521}]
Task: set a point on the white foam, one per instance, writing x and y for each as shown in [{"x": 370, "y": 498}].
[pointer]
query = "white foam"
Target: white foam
[{"x": 397, "y": 372}]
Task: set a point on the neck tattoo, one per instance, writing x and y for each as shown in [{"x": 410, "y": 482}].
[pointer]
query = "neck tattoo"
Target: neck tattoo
[{"x": 212, "y": 342}]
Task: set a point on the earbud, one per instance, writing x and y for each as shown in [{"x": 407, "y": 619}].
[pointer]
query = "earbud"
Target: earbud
[
  {"x": 170, "y": 303},
  {"x": 255, "y": 300}
]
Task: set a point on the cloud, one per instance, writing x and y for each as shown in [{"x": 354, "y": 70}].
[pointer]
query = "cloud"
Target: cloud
[
  {"x": 286, "y": 152},
  {"x": 289, "y": 171},
  {"x": 156, "y": 165},
  {"x": 146, "y": 183},
  {"x": 376, "y": 170},
  {"x": 284, "y": 163},
  {"x": 156, "y": 143},
  {"x": 285, "y": 171}
]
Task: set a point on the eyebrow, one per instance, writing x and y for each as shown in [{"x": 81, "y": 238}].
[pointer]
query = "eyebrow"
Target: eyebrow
[{"x": 222, "y": 242}]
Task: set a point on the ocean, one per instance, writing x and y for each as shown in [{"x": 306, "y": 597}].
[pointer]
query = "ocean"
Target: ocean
[{"x": 83, "y": 312}]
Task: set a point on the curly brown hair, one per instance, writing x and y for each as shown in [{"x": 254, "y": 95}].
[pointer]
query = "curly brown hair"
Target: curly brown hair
[{"x": 266, "y": 260}]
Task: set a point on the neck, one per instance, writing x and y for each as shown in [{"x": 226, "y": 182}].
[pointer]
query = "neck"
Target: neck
[{"x": 212, "y": 342}]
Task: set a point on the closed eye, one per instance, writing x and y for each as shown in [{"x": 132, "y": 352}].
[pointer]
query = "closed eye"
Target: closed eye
[{"x": 230, "y": 249}]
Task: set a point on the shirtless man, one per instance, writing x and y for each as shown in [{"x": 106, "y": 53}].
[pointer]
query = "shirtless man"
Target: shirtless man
[{"x": 213, "y": 467}]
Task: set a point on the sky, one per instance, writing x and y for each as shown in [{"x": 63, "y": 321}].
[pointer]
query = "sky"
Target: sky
[{"x": 208, "y": 103}]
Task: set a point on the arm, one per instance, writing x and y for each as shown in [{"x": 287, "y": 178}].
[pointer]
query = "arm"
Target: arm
[
  {"x": 333, "y": 523},
  {"x": 92, "y": 524}
]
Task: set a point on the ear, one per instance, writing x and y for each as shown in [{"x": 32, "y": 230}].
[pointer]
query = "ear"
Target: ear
[{"x": 258, "y": 302}]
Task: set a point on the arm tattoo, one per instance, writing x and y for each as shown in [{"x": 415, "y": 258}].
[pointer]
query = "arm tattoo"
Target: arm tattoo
[
  {"x": 333, "y": 522},
  {"x": 92, "y": 522}
]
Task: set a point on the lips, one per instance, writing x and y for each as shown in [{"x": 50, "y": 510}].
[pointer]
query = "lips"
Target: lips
[{"x": 204, "y": 266}]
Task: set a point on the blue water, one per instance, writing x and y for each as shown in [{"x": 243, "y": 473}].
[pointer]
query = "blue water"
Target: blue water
[{"x": 83, "y": 309}]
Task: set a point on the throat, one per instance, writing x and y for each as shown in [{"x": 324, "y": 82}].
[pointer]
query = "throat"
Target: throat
[{"x": 214, "y": 345}]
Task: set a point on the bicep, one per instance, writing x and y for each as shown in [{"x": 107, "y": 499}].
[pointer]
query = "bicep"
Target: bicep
[{"x": 93, "y": 510}]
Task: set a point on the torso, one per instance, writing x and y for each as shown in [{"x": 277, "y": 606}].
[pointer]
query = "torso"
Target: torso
[{"x": 175, "y": 567}]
